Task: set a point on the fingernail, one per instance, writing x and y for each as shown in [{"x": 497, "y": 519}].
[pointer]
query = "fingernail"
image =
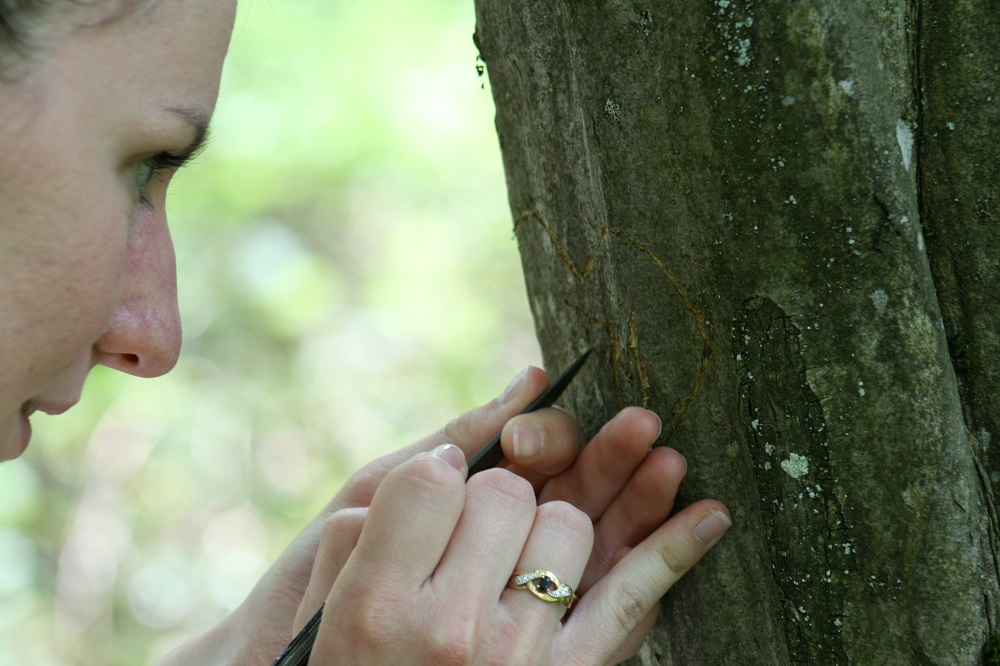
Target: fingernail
[
  {"x": 659, "y": 428},
  {"x": 451, "y": 454},
  {"x": 527, "y": 441},
  {"x": 515, "y": 387},
  {"x": 712, "y": 526},
  {"x": 659, "y": 422}
]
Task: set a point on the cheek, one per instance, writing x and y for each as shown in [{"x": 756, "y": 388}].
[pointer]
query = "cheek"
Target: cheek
[
  {"x": 82, "y": 261},
  {"x": 60, "y": 282},
  {"x": 93, "y": 282}
]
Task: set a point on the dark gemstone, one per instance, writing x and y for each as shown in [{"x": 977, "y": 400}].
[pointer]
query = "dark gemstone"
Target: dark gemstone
[{"x": 543, "y": 584}]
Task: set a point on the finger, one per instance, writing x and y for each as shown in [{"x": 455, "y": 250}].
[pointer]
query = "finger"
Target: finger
[
  {"x": 638, "y": 511},
  {"x": 470, "y": 432},
  {"x": 614, "y": 607},
  {"x": 411, "y": 520},
  {"x": 560, "y": 543},
  {"x": 497, "y": 518},
  {"x": 341, "y": 531},
  {"x": 541, "y": 444},
  {"x": 630, "y": 646},
  {"x": 606, "y": 463},
  {"x": 619, "y": 554}
]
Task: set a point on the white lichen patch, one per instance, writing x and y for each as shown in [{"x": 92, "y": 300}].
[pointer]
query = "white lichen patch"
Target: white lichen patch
[
  {"x": 861, "y": 388},
  {"x": 796, "y": 466},
  {"x": 984, "y": 439},
  {"x": 880, "y": 299},
  {"x": 613, "y": 109},
  {"x": 904, "y": 137},
  {"x": 847, "y": 85},
  {"x": 646, "y": 24},
  {"x": 734, "y": 31}
]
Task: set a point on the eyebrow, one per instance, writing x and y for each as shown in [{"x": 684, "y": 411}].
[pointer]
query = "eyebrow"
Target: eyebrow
[{"x": 200, "y": 122}]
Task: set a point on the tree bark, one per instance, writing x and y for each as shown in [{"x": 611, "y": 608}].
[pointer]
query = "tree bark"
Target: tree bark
[{"x": 777, "y": 222}]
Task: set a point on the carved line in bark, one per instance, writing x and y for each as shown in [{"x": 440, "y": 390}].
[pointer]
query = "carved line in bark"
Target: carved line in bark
[
  {"x": 617, "y": 356},
  {"x": 580, "y": 275},
  {"x": 699, "y": 320},
  {"x": 633, "y": 343}
]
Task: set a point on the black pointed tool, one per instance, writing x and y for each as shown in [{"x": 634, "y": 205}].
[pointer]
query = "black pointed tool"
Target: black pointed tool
[
  {"x": 298, "y": 651},
  {"x": 490, "y": 455}
]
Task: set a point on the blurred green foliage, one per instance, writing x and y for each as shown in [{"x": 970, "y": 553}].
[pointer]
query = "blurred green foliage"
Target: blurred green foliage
[{"x": 348, "y": 282}]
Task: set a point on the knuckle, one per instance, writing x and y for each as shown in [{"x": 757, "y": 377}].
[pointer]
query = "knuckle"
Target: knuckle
[
  {"x": 674, "y": 561},
  {"x": 341, "y": 525},
  {"x": 368, "y": 622},
  {"x": 463, "y": 430},
  {"x": 506, "y": 484},
  {"x": 449, "y": 643},
  {"x": 573, "y": 524},
  {"x": 428, "y": 476},
  {"x": 628, "y": 608}
]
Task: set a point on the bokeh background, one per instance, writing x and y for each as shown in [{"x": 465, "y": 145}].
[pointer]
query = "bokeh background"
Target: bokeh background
[{"x": 349, "y": 282}]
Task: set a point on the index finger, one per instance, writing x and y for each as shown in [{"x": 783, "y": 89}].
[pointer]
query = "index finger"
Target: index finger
[{"x": 411, "y": 519}]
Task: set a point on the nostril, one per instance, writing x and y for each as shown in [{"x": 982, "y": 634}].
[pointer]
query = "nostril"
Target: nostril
[{"x": 132, "y": 360}]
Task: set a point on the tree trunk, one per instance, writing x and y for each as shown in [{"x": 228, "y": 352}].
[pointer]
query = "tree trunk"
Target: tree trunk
[{"x": 777, "y": 222}]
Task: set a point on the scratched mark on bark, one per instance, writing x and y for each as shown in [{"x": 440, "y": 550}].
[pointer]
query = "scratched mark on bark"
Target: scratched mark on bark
[
  {"x": 619, "y": 355},
  {"x": 633, "y": 344},
  {"x": 618, "y": 358},
  {"x": 579, "y": 274},
  {"x": 699, "y": 320}
]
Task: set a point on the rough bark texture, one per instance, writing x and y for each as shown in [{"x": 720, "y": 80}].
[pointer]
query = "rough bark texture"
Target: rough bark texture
[{"x": 778, "y": 224}]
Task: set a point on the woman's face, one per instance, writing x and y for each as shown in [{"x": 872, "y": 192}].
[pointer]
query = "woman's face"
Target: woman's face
[{"x": 89, "y": 139}]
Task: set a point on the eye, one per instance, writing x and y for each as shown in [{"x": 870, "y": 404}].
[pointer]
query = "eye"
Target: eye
[
  {"x": 143, "y": 171},
  {"x": 146, "y": 169}
]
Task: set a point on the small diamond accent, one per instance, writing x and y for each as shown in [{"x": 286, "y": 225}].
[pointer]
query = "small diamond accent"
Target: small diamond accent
[{"x": 524, "y": 579}]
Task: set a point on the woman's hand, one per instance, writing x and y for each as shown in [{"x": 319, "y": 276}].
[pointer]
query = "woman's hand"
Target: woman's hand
[
  {"x": 257, "y": 631},
  {"x": 427, "y": 580},
  {"x": 624, "y": 488}
]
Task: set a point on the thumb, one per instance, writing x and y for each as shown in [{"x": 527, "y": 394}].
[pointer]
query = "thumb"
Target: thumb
[
  {"x": 469, "y": 432},
  {"x": 472, "y": 430}
]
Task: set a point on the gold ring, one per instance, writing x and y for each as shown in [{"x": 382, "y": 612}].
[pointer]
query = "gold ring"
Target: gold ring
[{"x": 544, "y": 585}]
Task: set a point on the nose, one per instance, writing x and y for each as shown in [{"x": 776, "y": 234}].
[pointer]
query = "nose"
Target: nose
[{"x": 144, "y": 335}]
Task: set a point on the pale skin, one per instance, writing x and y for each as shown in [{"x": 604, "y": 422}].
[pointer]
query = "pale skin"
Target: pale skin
[{"x": 92, "y": 135}]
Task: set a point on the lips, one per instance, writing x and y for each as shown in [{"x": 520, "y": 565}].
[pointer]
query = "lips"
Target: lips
[
  {"x": 25, "y": 428},
  {"x": 52, "y": 408}
]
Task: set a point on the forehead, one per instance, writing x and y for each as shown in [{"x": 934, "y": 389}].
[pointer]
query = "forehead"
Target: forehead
[{"x": 166, "y": 51}]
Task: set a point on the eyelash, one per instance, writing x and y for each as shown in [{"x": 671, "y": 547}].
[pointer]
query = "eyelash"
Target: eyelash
[{"x": 160, "y": 162}]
